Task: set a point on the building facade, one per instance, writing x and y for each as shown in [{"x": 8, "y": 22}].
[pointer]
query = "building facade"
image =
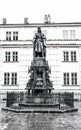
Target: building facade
[{"x": 63, "y": 54}]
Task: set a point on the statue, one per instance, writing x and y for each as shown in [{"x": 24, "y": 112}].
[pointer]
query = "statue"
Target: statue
[
  {"x": 39, "y": 83},
  {"x": 39, "y": 44}
]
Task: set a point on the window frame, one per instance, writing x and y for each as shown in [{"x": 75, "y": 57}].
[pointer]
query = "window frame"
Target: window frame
[
  {"x": 15, "y": 36},
  {"x": 6, "y": 78},
  {"x": 7, "y": 56},
  {"x": 73, "y": 78},
  {"x": 15, "y": 56},
  {"x": 13, "y": 78},
  {"x": 66, "y": 78},
  {"x": 72, "y": 34},
  {"x": 8, "y": 36},
  {"x": 66, "y": 56},
  {"x": 73, "y": 56},
  {"x": 65, "y": 34}
]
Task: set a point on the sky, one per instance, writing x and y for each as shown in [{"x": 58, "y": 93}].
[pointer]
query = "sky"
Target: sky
[{"x": 60, "y": 10}]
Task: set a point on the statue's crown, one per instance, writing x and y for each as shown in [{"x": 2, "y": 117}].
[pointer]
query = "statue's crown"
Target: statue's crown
[{"x": 39, "y": 29}]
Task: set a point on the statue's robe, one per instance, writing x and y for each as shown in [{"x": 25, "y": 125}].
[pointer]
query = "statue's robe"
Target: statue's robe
[{"x": 39, "y": 44}]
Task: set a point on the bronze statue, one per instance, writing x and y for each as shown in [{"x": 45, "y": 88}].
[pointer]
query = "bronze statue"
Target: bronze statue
[
  {"x": 39, "y": 44},
  {"x": 39, "y": 82}
]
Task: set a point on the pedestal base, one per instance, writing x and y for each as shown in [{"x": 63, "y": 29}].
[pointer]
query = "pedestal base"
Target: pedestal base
[{"x": 39, "y": 100}]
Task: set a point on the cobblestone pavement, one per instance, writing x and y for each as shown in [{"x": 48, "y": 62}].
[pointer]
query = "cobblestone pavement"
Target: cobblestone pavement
[{"x": 41, "y": 121}]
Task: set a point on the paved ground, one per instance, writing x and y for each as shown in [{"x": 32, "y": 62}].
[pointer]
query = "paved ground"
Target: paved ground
[{"x": 41, "y": 121}]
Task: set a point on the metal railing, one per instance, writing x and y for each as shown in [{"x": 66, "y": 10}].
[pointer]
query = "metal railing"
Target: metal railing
[{"x": 64, "y": 100}]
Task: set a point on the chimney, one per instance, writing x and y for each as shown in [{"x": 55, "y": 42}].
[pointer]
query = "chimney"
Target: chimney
[
  {"x": 49, "y": 18},
  {"x": 25, "y": 20},
  {"x": 4, "y": 21},
  {"x": 46, "y": 19}
]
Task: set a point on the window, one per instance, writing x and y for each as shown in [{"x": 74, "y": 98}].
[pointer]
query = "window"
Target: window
[
  {"x": 73, "y": 55},
  {"x": 66, "y": 56},
  {"x": 14, "y": 79},
  {"x": 7, "y": 56},
  {"x": 15, "y": 56},
  {"x": 72, "y": 34},
  {"x": 11, "y": 56},
  {"x": 6, "y": 78},
  {"x": 65, "y": 34},
  {"x": 66, "y": 78},
  {"x": 15, "y": 36},
  {"x": 8, "y": 36},
  {"x": 74, "y": 78},
  {"x": 69, "y": 34},
  {"x": 10, "y": 79}
]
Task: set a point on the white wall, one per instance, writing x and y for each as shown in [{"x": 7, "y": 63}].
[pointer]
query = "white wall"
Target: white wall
[
  {"x": 51, "y": 32},
  {"x": 54, "y": 55},
  {"x": 25, "y": 58}
]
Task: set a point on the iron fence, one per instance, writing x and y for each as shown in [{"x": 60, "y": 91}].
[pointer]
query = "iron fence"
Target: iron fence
[{"x": 64, "y": 99}]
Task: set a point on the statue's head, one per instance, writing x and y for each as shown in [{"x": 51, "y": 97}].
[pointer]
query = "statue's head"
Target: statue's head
[{"x": 39, "y": 29}]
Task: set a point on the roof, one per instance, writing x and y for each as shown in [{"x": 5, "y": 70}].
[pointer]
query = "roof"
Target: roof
[{"x": 73, "y": 24}]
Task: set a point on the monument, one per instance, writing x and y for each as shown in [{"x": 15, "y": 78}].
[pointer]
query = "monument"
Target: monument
[
  {"x": 38, "y": 96},
  {"x": 39, "y": 84}
]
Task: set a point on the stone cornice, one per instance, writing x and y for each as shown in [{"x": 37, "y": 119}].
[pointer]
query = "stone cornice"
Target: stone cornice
[
  {"x": 31, "y": 45},
  {"x": 74, "y": 24}
]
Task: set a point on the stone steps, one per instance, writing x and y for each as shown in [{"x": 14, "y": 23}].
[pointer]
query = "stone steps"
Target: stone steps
[{"x": 39, "y": 110}]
